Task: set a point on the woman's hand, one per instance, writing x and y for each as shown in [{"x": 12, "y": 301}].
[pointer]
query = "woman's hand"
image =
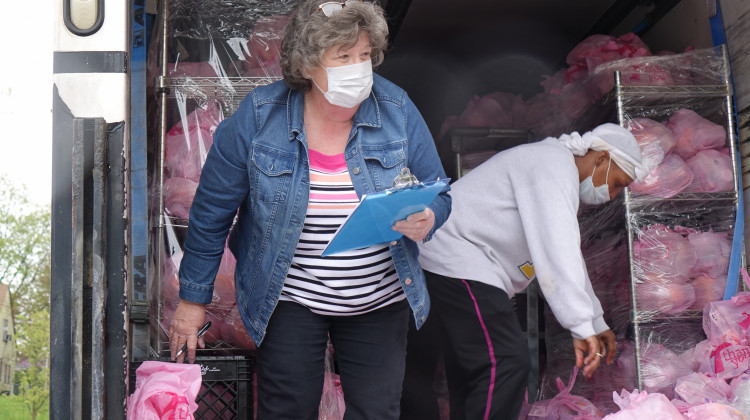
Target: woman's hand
[
  {"x": 417, "y": 225},
  {"x": 607, "y": 345},
  {"x": 188, "y": 318}
]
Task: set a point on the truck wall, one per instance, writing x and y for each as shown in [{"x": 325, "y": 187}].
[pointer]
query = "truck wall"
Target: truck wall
[{"x": 736, "y": 15}]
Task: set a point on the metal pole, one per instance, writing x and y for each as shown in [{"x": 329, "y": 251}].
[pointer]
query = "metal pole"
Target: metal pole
[{"x": 98, "y": 272}]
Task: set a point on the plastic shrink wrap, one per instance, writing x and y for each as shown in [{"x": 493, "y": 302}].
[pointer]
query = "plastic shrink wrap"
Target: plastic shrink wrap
[
  {"x": 642, "y": 405},
  {"x": 216, "y": 52},
  {"x": 577, "y": 97}
]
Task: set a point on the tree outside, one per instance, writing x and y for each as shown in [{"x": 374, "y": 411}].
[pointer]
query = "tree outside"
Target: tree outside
[
  {"x": 33, "y": 348},
  {"x": 25, "y": 269}
]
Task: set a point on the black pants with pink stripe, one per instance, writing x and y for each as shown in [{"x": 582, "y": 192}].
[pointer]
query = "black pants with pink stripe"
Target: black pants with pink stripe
[{"x": 485, "y": 353}]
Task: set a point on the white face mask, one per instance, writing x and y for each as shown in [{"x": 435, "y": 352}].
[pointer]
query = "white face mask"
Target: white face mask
[
  {"x": 590, "y": 194},
  {"x": 348, "y": 85}
]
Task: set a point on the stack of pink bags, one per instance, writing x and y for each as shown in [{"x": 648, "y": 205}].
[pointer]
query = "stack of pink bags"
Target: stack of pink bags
[
  {"x": 715, "y": 383},
  {"x": 567, "y": 95},
  {"x": 226, "y": 324},
  {"x": 679, "y": 269},
  {"x": 571, "y": 92},
  {"x": 186, "y": 147},
  {"x": 687, "y": 153},
  {"x": 709, "y": 381}
]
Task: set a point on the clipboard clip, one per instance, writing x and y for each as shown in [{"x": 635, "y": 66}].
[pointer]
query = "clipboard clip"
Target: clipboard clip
[{"x": 403, "y": 180}]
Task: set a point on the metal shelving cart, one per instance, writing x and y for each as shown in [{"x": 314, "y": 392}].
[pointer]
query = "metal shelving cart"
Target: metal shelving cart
[
  {"x": 714, "y": 102},
  {"x": 199, "y": 72}
]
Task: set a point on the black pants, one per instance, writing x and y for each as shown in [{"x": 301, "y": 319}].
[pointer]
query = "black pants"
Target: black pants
[
  {"x": 486, "y": 357},
  {"x": 369, "y": 351}
]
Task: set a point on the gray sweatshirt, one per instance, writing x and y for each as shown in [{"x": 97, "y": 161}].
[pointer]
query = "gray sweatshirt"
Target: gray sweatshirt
[{"x": 515, "y": 218}]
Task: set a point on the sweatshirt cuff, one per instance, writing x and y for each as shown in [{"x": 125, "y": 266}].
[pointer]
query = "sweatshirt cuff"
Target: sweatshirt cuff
[
  {"x": 583, "y": 331},
  {"x": 600, "y": 326}
]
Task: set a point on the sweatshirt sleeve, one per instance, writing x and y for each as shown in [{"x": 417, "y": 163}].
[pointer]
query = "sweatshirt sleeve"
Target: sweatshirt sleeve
[{"x": 546, "y": 191}]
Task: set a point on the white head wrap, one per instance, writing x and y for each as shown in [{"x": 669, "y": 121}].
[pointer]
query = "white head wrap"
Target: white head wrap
[{"x": 618, "y": 141}]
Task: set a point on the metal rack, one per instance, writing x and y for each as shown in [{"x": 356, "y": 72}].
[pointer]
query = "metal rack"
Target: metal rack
[
  {"x": 175, "y": 97},
  {"x": 187, "y": 92},
  {"x": 634, "y": 101},
  {"x": 229, "y": 91},
  {"x": 483, "y": 140}
]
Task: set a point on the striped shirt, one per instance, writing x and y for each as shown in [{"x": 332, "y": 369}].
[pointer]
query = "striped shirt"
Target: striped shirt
[{"x": 347, "y": 283}]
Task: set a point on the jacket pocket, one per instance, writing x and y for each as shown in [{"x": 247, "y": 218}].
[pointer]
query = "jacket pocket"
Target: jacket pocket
[
  {"x": 271, "y": 176},
  {"x": 385, "y": 162}
]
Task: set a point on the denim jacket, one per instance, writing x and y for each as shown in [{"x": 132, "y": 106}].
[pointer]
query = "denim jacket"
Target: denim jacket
[{"x": 259, "y": 164}]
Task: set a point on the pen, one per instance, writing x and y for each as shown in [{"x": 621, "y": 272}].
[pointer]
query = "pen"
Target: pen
[{"x": 202, "y": 331}]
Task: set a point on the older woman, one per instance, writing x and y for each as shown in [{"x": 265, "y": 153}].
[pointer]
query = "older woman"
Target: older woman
[
  {"x": 513, "y": 220},
  {"x": 295, "y": 159}
]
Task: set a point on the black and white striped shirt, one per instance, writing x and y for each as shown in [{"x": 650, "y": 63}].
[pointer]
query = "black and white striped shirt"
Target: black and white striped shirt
[{"x": 347, "y": 283}]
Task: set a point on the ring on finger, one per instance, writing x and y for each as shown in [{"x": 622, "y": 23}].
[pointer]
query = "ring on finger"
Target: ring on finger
[{"x": 600, "y": 355}]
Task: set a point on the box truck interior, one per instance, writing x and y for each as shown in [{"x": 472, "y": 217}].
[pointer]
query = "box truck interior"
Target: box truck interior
[{"x": 446, "y": 54}]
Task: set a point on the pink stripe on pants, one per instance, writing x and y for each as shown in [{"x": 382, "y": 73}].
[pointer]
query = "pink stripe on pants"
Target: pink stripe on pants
[{"x": 491, "y": 352}]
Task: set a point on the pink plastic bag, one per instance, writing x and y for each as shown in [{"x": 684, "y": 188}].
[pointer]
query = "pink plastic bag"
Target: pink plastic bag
[
  {"x": 697, "y": 356},
  {"x": 639, "y": 406},
  {"x": 632, "y": 73},
  {"x": 164, "y": 391},
  {"x": 661, "y": 254},
  {"x": 598, "y": 49},
  {"x": 655, "y": 139},
  {"x": 729, "y": 360},
  {"x": 708, "y": 289},
  {"x": 667, "y": 297},
  {"x": 661, "y": 368},
  {"x": 712, "y": 249},
  {"x": 728, "y": 321},
  {"x": 697, "y": 388},
  {"x": 565, "y": 406},
  {"x": 178, "y": 196},
  {"x": 741, "y": 393},
  {"x": 695, "y": 133},
  {"x": 525, "y": 407},
  {"x": 574, "y": 100},
  {"x": 666, "y": 180},
  {"x": 712, "y": 170},
  {"x": 332, "y": 405},
  {"x": 588, "y": 47},
  {"x": 714, "y": 411},
  {"x": 263, "y": 49},
  {"x": 187, "y": 142}
]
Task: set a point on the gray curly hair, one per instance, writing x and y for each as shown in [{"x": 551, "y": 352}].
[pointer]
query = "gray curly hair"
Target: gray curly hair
[{"x": 311, "y": 33}]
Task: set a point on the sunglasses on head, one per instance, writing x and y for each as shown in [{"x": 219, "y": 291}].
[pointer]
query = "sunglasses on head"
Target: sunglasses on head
[{"x": 329, "y": 8}]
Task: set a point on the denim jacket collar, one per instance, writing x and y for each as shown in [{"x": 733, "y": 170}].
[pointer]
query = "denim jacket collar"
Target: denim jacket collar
[{"x": 368, "y": 113}]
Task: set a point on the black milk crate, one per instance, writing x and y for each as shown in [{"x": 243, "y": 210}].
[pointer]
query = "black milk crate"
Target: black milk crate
[{"x": 227, "y": 389}]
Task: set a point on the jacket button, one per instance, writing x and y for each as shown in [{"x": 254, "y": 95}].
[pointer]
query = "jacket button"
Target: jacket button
[
  {"x": 407, "y": 281},
  {"x": 393, "y": 243},
  {"x": 356, "y": 171}
]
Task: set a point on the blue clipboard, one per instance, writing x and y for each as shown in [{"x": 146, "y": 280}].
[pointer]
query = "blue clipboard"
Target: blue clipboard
[{"x": 371, "y": 221}]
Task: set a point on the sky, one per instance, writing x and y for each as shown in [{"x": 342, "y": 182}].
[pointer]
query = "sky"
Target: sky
[{"x": 26, "y": 99}]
